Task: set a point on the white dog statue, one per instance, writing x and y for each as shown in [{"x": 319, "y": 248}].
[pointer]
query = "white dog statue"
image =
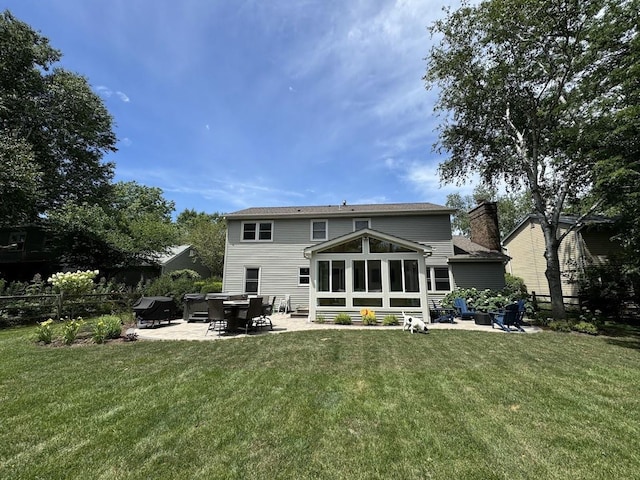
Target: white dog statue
[{"x": 414, "y": 324}]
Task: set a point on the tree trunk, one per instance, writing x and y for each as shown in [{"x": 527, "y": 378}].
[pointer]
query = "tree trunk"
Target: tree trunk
[{"x": 553, "y": 270}]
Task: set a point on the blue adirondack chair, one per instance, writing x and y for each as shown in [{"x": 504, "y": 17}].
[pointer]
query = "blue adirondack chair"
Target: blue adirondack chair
[
  {"x": 464, "y": 312},
  {"x": 509, "y": 317}
]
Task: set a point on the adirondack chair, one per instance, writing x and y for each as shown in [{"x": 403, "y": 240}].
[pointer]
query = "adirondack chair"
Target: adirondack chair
[
  {"x": 507, "y": 318},
  {"x": 464, "y": 312}
]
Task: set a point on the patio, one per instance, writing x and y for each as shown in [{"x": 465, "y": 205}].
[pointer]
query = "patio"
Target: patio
[{"x": 282, "y": 323}]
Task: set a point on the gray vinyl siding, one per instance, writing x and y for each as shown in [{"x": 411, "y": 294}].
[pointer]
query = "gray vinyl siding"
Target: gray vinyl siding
[
  {"x": 480, "y": 275},
  {"x": 279, "y": 260}
]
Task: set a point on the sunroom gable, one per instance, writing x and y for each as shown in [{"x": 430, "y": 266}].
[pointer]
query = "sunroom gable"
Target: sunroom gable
[{"x": 399, "y": 244}]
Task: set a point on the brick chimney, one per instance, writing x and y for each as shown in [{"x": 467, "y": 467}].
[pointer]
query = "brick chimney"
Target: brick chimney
[{"x": 483, "y": 223}]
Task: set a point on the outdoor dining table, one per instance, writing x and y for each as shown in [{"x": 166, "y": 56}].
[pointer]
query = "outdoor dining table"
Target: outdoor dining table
[{"x": 235, "y": 307}]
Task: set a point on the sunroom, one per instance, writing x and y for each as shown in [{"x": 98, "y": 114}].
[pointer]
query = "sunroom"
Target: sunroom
[{"x": 367, "y": 269}]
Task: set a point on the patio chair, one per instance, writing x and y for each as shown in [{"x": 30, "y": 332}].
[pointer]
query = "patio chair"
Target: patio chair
[
  {"x": 263, "y": 320},
  {"x": 216, "y": 315},
  {"x": 247, "y": 316},
  {"x": 285, "y": 304},
  {"x": 464, "y": 312},
  {"x": 507, "y": 318},
  {"x": 441, "y": 314}
]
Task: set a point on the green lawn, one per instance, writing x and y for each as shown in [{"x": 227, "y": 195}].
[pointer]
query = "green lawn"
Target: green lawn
[{"x": 323, "y": 404}]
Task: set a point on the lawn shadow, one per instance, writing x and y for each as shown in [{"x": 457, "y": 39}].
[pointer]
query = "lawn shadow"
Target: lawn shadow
[{"x": 622, "y": 334}]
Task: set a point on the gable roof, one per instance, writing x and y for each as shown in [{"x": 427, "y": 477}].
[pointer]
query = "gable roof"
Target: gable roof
[
  {"x": 172, "y": 253},
  {"x": 341, "y": 210},
  {"x": 563, "y": 220},
  {"x": 367, "y": 232}
]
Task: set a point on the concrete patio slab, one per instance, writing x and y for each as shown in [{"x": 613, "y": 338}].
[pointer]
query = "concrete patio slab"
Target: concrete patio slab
[{"x": 282, "y": 323}]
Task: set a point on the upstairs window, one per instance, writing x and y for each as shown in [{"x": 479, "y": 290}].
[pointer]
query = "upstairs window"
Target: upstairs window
[
  {"x": 257, "y": 231},
  {"x": 319, "y": 230},
  {"x": 361, "y": 224}
]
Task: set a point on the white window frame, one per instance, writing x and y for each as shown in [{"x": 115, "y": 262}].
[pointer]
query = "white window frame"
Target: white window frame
[
  {"x": 244, "y": 283},
  {"x": 368, "y": 220},
  {"x": 431, "y": 278},
  {"x": 307, "y": 276},
  {"x": 326, "y": 229},
  {"x": 256, "y": 238}
]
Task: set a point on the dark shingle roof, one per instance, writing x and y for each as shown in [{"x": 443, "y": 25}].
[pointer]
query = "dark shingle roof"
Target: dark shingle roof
[
  {"x": 465, "y": 249},
  {"x": 341, "y": 210}
]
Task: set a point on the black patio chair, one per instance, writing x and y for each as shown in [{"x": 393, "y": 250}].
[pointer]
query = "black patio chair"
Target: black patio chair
[
  {"x": 217, "y": 315},
  {"x": 247, "y": 316},
  {"x": 263, "y": 320}
]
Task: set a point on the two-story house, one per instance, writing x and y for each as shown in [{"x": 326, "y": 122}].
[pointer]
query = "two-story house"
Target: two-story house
[{"x": 342, "y": 258}]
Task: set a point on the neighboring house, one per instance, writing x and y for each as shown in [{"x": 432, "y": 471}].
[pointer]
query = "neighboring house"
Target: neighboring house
[
  {"x": 590, "y": 243},
  {"x": 342, "y": 258},
  {"x": 182, "y": 257},
  {"x": 179, "y": 257}
]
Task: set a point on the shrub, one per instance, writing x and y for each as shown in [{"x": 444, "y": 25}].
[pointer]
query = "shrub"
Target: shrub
[
  {"x": 70, "y": 330},
  {"x": 560, "y": 326},
  {"x": 73, "y": 283},
  {"x": 44, "y": 331},
  {"x": 342, "y": 319},
  {"x": 585, "y": 327},
  {"x": 167, "y": 286},
  {"x": 105, "y": 328},
  {"x": 368, "y": 317},
  {"x": 209, "y": 285},
  {"x": 390, "y": 320},
  {"x": 99, "y": 332},
  {"x": 514, "y": 287},
  {"x": 320, "y": 318}
]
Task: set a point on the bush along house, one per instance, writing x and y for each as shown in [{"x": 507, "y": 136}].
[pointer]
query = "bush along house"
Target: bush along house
[{"x": 389, "y": 258}]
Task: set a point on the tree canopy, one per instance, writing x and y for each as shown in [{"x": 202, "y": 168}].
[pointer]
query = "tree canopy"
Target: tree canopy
[
  {"x": 520, "y": 83},
  {"x": 54, "y": 133},
  {"x": 54, "y": 130},
  {"x": 206, "y": 233},
  {"x": 132, "y": 227},
  {"x": 512, "y": 208}
]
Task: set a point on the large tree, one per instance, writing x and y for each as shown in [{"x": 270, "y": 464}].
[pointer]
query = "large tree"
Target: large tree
[
  {"x": 518, "y": 90},
  {"x": 614, "y": 138},
  {"x": 206, "y": 233},
  {"x": 133, "y": 226},
  {"x": 512, "y": 208},
  {"x": 54, "y": 130}
]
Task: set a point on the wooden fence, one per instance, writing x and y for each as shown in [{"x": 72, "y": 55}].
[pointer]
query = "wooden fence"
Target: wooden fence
[{"x": 24, "y": 309}]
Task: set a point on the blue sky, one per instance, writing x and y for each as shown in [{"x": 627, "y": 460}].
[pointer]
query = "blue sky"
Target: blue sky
[{"x": 233, "y": 104}]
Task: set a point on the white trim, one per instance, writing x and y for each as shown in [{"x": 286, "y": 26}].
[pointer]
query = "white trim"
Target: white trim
[
  {"x": 244, "y": 279},
  {"x": 308, "y": 284},
  {"x": 326, "y": 229},
  {"x": 368, "y": 220},
  {"x": 257, "y": 223}
]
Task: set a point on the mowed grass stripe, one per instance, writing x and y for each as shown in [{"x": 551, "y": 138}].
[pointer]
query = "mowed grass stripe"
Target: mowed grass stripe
[{"x": 324, "y": 404}]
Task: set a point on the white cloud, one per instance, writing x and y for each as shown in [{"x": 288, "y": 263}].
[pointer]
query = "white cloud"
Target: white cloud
[
  {"x": 107, "y": 93},
  {"x": 104, "y": 91},
  {"x": 123, "y": 96}
]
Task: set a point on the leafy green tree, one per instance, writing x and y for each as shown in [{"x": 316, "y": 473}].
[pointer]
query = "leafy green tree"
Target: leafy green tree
[
  {"x": 207, "y": 233},
  {"x": 19, "y": 182},
  {"x": 512, "y": 208},
  {"x": 517, "y": 90},
  {"x": 614, "y": 138},
  {"x": 53, "y": 128},
  {"x": 132, "y": 227}
]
